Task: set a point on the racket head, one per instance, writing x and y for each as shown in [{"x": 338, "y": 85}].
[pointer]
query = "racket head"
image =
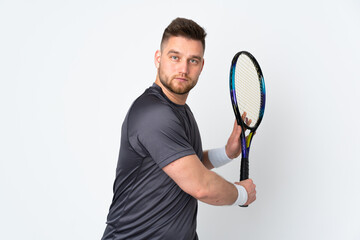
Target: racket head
[{"x": 247, "y": 90}]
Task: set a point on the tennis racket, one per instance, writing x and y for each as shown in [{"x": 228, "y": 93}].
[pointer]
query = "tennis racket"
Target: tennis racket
[{"x": 247, "y": 91}]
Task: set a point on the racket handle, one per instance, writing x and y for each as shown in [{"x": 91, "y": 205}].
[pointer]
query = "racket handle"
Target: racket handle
[{"x": 244, "y": 171}]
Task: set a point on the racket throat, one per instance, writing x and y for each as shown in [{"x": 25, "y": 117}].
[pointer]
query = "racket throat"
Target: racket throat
[{"x": 245, "y": 144}]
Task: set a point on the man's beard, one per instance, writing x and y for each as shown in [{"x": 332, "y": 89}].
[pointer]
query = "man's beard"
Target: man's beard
[{"x": 167, "y": 83}]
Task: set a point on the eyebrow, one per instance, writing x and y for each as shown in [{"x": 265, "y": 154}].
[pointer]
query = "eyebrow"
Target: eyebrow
[{"x": 176, "y": 52}]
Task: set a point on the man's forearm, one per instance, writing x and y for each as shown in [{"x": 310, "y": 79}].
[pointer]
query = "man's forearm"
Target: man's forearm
[
  {"x": 217, "y": 191},
  {"x": 195, "y": 179}
]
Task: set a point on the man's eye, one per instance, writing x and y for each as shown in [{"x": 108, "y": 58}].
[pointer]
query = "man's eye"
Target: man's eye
[
  {"x": 194, "y": 61},
  {"x": 174, "y": 58}
]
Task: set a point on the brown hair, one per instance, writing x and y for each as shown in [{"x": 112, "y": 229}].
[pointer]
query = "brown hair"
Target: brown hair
[{"x": 185, "y": 28}]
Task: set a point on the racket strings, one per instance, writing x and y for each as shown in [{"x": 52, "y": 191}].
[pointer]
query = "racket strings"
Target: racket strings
[{"x": 248, "y": 89}]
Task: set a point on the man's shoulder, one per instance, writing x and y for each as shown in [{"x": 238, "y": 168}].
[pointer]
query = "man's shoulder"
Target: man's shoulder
[
  {"x": 151, "y": 107},
  {"x": 150, "y": 102}
]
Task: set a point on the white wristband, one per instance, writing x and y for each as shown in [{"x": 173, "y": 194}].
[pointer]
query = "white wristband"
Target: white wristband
[
  {"x": 242, "y": 196},
  {"x": 218, "y": 157}
]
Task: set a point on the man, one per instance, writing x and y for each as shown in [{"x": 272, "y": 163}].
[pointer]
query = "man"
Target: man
[{"x": 162, "y": 170}]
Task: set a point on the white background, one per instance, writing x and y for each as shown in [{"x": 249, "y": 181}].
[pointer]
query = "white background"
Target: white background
[{"x": 69, "y": 71}]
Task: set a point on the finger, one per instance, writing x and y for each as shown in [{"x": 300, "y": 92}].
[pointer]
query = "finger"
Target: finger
[
  {"x": 235, "y": 125},
  {"x": 237, "y": 129},
  {"x": 249, "y": 122},
  {"x": 249, "y": 180},
  {"x": 243, "y": 116},
  {"x": 234, "y": 129}
]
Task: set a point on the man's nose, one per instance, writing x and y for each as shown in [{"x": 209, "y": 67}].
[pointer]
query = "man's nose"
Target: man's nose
[{"x": 184, "y": 67}]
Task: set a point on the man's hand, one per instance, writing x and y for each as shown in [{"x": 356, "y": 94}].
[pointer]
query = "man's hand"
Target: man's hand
[
  {"x": 250, "y": 189},
  {"x": 233, "y": 145}
]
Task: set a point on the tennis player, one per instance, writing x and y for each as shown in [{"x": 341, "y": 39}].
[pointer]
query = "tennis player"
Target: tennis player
[{"x": 162, "y": 170}]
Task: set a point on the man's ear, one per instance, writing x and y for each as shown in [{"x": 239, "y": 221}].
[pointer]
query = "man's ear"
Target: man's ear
[
  {"x": 202, "y": 64},
  {"x": 157, "y": 58}
]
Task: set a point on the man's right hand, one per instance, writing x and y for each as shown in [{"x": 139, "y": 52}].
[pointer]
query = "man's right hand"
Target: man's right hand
[{"x": 250, "y": 189}]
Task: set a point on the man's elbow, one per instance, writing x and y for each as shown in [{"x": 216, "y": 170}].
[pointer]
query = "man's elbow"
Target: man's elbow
[{"x": 201, "y": 194}]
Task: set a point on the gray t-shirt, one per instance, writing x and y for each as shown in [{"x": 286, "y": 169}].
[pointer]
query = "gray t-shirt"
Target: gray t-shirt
[{"x": 147, "y": 203}]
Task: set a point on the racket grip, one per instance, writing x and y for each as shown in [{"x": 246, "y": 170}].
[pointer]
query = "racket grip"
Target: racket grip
[
  {"x": 244, "y": 172},
  {"x": 244, "y": 169}
]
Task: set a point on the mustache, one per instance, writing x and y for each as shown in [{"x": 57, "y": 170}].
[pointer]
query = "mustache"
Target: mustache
[{"x": 182, "y": 77}]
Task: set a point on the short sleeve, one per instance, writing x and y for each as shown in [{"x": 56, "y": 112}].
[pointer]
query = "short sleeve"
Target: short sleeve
[{"x": 155, "y": 130}]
